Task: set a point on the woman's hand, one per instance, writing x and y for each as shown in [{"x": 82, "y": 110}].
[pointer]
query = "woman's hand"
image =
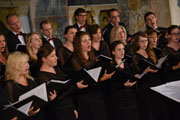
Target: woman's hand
[
  {"x": 106, "y": 76},
  {"x": 76, "y": 114},
  {"x": 80, "y": 85},
  {"x": 33, "y": 112},
  {"x": 129, "y": 84},
  {"x": 148, "y": 69},
  {"x": 52, "y": 95},
  {"x": 14, "y": 118}
]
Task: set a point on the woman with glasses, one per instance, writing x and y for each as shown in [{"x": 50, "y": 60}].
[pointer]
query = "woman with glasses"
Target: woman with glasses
[
  {"x": 149, "y": 102},
  {"x": 172, "y": 66}
]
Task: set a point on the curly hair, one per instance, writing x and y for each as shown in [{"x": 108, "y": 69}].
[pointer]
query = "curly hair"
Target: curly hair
[
  {"x": 14, "y": 62},
  {"x": 78, "y": 49}
]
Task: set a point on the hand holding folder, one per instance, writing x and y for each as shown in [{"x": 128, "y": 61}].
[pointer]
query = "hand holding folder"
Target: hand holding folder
[
  {"x": 158, "y": 65},
  {"x": 10, "y": 111},
  {"x": 90, "y": 77},
  {"x": 38, "y": 95}
]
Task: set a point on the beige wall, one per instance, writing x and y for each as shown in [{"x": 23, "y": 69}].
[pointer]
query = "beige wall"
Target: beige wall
[{"x": 175, "y": 12}]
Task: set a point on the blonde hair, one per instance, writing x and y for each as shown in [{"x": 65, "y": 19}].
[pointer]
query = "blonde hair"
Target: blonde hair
[
  {"x": 28, "y": 46},
  {"x": 114, "y": 33},
  {"x": 14, "y": 62}
]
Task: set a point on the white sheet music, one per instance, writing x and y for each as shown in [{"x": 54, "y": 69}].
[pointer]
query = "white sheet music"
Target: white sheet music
[
  {"x": 158, "y": 65},
  {"x": 94, "y": 73},
  {"x": 170, "y": 90},
  {"x": 40, "y": 91}
]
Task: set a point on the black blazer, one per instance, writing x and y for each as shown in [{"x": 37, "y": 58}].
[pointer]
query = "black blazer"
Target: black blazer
[
  {"x": 87, "y": 27},
  {"x": 12, "y": 41},
  {"x": 57, "y": 42},
  {"x": 107, "y": 31}
]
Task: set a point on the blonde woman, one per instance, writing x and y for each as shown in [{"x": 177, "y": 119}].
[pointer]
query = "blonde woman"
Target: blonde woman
[
  {"x": 18, "y": 81},
  {"x": 118, "y": 33},
  {"x": 34, "y": 42}
]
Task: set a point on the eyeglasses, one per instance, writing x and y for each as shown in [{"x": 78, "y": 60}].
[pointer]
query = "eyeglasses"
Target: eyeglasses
[
  {"x": 175, "y": 34},
  {"x": 143, "y": 41},
  {"x": 82, "y": 15},
  {"x": 153, "y": 37},
  {"x": 114, "y": 17}
]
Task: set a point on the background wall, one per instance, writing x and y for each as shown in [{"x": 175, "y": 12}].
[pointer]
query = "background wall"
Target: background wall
[{"x": 60, "y": 12}]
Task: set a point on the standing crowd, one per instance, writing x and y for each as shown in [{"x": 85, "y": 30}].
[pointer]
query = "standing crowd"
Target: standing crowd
[{"x": 121, "y": 92}]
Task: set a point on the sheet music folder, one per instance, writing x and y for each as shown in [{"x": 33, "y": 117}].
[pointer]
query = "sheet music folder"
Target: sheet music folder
[
  {"x": 12, "y": 112},
  {"x": 57, "y": 85},
  {"x": 104, "y": 58},
  {"x": 38, "y": 95},
  {"x": 90, "y": 77},
  {"x": 21, "y": 48},
  {"x": 158, "y": 65}
]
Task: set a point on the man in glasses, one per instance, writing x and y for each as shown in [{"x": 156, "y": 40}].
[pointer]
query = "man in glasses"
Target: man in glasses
[
  {"x": 80, "y": 16},
  {"x": 114, "y": 19}
]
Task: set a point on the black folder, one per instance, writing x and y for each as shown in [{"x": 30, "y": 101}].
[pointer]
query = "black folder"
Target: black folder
[
  {"x": 57, "y": 85},
  {"x": 38, "y": 102},
  {"x": 21, "y": 48},
  {"x": 157, "y": 66},
  {"x": 104, "y": 58},
  {"x": 83, "y": 75},
  {"x": 12, "y": 112}
]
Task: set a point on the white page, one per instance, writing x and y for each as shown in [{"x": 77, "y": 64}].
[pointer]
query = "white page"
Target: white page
[
  {"x": 39, "y": 91},
  {"x": 25, "y": 108},
  {"x": 94, "y": 73},
  {"x": 120, "y": 63},
  {"x": 58, "y": 81},
  {"x": 158, "y": 65},
  {"x": 170, "y": 90}
]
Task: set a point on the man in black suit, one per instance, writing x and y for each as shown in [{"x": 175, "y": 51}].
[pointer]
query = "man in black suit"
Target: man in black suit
[
  {"x": 15, "y": 37},
  {"x": 80, "y": 17},
  {"x": 46, "y": 30},
  {"x": 151, "y": 23},
  {"x": 114, "y": 19}
]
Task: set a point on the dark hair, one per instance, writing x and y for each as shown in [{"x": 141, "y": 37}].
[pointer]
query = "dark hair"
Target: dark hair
[
  {"x": 79, "y": 10},
  {"x": 149, "y": 50},
  {"x": 114, "y": 44},
  {"x": 68, "y": 28},
  {"x": 78, "y": 49},
  {"x": 44, "y": 22},
  {"x": 172, "y": 27},
  {"x": 151, "y": 31},
  {"x": 148, "y": 14},
  {"x": 111, "y": 10},
  {"x": 6, "y": 52},
  {"x": 44, "y": 51},
  {"x": 9, "y": 15},
  {"x": 93, "y": 30}
]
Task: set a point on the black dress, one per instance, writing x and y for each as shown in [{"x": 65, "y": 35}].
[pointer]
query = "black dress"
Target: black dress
[
  {"x": 64, "y": 59},
  {"x": 120, "y": 101},
  {"x": 63, "y": 108},
  {"x": 90, "y": 101},
  {"x": 3, "y": 101},
  {"x": 172, "y": 75},
  {"x": 151, "y": 105},
  {"x": 173, "y": 59},
  {"x": 103, "y": 49},
  {"x": 2, "y": 73},
  {"x": 14, "y": 90}
]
